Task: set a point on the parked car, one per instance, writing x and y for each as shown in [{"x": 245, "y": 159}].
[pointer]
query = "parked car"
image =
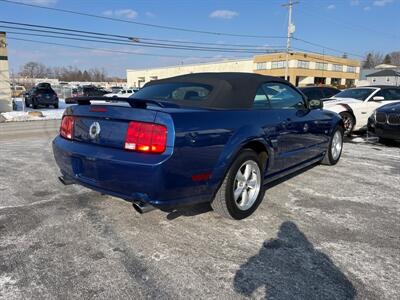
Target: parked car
[
  {"x": 207, "y": 137},
  {"x": 85, "y": 91},
  {"x": 385, "y": 122},
  {"x": 41, "y": 95},
  {"x": 125, "y": 93},
  {"x": 91, "y": 90},
  {"x": 17, "y": 91},
  {"x": 357, "y": 104},
  {"x": 319, "y": 92}
]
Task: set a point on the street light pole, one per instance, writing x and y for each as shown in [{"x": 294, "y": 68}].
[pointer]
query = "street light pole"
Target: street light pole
[{"x": 290, "y": 30}]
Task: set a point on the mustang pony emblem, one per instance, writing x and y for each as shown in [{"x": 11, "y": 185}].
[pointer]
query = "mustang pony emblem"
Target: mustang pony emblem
[{"x": 94, "y": 130}]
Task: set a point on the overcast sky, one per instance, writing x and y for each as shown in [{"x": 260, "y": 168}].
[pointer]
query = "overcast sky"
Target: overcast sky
[{"x": 353, "y": 26}]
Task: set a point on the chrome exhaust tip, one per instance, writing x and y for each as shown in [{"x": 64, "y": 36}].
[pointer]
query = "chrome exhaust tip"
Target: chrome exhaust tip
[
  {"x": 142, "y": 207},
  {"x": 65, "y": 181}
]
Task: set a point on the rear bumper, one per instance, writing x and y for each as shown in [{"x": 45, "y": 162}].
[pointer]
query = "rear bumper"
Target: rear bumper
[
  {"x": 153, "y": 179},
  {"x": 44, "y": 101}
]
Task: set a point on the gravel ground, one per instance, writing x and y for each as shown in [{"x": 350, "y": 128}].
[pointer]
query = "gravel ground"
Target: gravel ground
[{"x": 327, "y": 233}]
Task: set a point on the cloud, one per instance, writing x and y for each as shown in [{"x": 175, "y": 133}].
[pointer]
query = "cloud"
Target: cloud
[
  {"x": 39, "y": 2},
  {"x": 331, "y": 6},
  {"x": 149, "y": 14},
  {"x": 354, "y": 2},
  {"x": 224, "y": 14},
  {"x": 124, "y": 13},
  {"x": 382, "y": 3},
  {"x": 367, "y": 8}
]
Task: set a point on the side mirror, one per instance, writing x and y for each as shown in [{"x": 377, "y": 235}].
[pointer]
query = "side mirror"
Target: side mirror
[
  {"x": 315, "y": 104},
  {"x": 378, "y": 98}
]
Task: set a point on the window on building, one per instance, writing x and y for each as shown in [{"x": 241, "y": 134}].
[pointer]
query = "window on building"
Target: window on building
[
  {"x": 261, "y": 66},
  {"x": 335, "y": 81},
  {"x": 319, "y": 80},
  {"x": 350, "y": 83},
  {"x": 321, "y": 66},
  {"x": 303, "y": 64},
  {"x": 351, "y": 69},
  {"x": 280, "y": 64},
  {"x": 338, "y": 68}
]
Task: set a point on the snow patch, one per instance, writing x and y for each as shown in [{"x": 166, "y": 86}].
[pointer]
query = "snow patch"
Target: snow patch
[{"x": 22, "y": 115}]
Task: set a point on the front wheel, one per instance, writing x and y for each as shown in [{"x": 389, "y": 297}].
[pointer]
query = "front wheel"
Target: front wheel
[
  {"x": 348, "y": 121},
  {"x": 335, "y": 147},
  {"x": 242, "y": 189}
]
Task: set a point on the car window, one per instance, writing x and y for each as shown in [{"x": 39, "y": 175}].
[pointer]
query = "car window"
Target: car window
[
  {"x": 313, "y": 93},
  {"x": 283, "y": 96},
  {"x": 329, "y": 92},
  {"x": 123, "y": 92},
  {"x": 357, "y": 93},
  {"x": 389, "y": 94},
  {"x": 174, "y": 91},
  {"x": 261, "y": 100},
  {"x": 129, "y": 91}
]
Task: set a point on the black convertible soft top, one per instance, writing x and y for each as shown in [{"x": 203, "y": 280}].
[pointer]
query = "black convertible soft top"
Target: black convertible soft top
[{"x": 230, "y": 90}]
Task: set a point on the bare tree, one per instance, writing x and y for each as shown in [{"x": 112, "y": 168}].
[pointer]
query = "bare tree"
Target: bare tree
[
  {"x": 34, "y": 70},
  {"x": 372, "y": 60},
  {"x": 395, "y": 58}
]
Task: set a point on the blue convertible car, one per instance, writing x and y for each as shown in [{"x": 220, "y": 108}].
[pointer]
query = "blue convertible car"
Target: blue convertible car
[{"x": 209, "y": 137}]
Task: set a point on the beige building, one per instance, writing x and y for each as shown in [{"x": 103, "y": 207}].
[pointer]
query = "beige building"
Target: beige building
[
  {"x": 5, "y": 90},
  {"x": 137, "y": 78},
  {"x": 304, "y": 69}
]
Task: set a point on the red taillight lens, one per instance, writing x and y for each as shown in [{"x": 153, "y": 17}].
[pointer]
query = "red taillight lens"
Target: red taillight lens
[
  {"x": 67, "y": 127},
  {"x": 146, "y": 137}
]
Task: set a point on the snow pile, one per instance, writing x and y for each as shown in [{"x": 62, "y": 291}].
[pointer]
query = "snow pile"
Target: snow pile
[{"x": 48, "y": 113}]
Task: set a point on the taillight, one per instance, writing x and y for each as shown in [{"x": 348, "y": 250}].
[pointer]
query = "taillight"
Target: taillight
[
  {"x": 67, "y": 127},
  {"x": 146, "y": 137}
]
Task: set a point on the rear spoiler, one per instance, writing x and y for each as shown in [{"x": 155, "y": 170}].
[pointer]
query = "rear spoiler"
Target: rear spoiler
[{"x": 133, "y": 102}]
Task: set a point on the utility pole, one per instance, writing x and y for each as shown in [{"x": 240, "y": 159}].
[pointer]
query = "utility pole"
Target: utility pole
[{"x": 290, "y": 30}]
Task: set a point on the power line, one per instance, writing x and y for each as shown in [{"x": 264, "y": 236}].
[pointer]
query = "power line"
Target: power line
[
  {"x": 112, "y": 50},
  {"x": 162, "y": 46},
  {"x": 349, "y": 26},
  {"x": 125, "y": 36},
  {"x": 328, "y": 48},
  {"x": 144, "y": 24},
  {"x": 138, "y": 42}
]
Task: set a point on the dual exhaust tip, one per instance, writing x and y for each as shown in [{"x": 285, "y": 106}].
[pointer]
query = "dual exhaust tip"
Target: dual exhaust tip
[{"x": 139, "y": 206}]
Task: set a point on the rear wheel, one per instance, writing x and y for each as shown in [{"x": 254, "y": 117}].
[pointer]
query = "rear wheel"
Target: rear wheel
[
  {"x": 34, "y": 104},
  {"x": 348, "y": 121},
  {"x": 56, "y": 105},
  {"x": 26, "y": 103},
  {"x": 335, "y": 147},
  {"x": 242, "y": 189}
]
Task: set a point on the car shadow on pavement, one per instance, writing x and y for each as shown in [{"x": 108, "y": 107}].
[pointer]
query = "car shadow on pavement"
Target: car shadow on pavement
[
  {"x": 188, "y": 211},
  {"x": 289, "y": 267}
]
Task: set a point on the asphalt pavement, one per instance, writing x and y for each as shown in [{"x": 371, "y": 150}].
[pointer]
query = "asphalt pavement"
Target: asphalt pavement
[{"x": 327, "y": 233}]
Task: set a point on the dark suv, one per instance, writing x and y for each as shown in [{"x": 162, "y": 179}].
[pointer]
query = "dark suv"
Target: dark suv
[
  {"x": 91, "y": 90},
  {"x": 319, "y": 92},
  {"x": 41, "y": 95}
]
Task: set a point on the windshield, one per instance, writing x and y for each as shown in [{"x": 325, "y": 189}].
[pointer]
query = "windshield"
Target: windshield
[
  {"x": 174, "y": 92},
  {"x": 359, "y": 94}
]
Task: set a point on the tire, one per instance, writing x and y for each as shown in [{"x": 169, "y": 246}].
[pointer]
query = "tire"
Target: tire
[
  {"x": 34, "y": 104},
  {"x": 333, "y": 154},
  {"x": 224, "y": 202},
  {"x": 56, "y": 105},
  {"x": 349, "y": 122},
  {"x": 26, "y": 103}
]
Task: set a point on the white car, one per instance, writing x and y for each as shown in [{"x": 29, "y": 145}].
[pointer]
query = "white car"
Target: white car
[
  {"x": 357, "y": 104},
  {"x": 121, "y": 94}
]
